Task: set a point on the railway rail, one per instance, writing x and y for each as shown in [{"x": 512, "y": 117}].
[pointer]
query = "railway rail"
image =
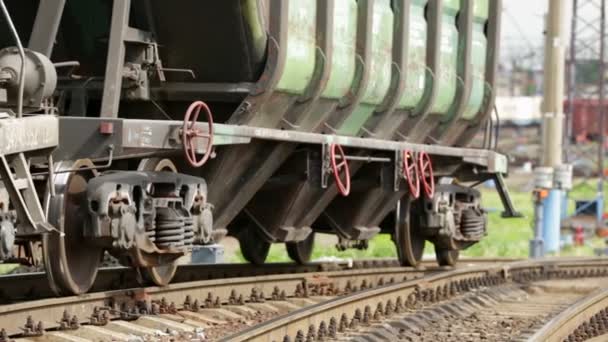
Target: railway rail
[
  {"x": 33, "y": 285},
  {"x": 587, "y": 319},
  {"x": 345, "y": 315},
  {"x": 220, "y": 283},
  {"x": 374, "y": 302}
]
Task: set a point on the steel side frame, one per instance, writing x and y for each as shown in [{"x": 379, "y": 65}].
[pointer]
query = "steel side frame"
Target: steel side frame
[{"x": 154, "y": 136}]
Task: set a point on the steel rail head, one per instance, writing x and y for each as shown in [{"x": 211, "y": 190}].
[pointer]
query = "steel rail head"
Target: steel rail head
[
  {"x": 560, "y": 327},
  {"x": 194, "y": 280},
  {"x": 420, "y": 289},
  {"x": 231, "y": 280}
]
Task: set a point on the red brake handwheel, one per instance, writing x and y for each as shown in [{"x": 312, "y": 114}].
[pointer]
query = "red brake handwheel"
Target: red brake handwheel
[
  {"x": 340, "y": 168},
  {"x": 411, "y": 173},
  {"x": 190, "y": 134},
  {"x": 425, "y": 167}
]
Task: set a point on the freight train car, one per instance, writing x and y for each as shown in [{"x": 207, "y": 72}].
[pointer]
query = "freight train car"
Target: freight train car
[
  {"x": 585, "y": 118},
  {"x": 141, "y": 128}
]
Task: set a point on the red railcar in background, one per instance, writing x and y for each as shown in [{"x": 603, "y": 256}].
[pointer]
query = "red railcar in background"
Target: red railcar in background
[{"x": 586, "y": 118}]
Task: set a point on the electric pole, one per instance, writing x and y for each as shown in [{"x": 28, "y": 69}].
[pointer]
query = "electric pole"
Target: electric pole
[{"x": 552, "y": 172}]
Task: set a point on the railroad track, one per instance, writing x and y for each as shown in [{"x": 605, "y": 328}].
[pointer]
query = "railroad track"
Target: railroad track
[
  {"x": 413, "y": 310},
  {"x": 587, "y": 319},
  {"x": 118, "y": 294},
  {"x": 34, "y": 285},
  {"x": 372, "y": 302}
]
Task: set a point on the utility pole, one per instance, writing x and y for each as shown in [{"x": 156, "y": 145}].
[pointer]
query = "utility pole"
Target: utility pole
[
  {"x": 602, "y": 130},
  {"x": 556, "y": 44},
  {"x": 587, "y": 47},
  {"x": 554, "y": 85},
  {"x": 571, "y": 81}
]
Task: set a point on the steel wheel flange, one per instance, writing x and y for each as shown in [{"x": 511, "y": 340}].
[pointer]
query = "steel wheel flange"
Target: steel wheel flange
[
  {"x": 447, "y": 257},
  {"x": 301, "y": 251},
  {"x": 409, "y": 242},
  {"x": 71, "y": 262},
  {"x": 254, "y": 248},
  {"x": 158, "y": 275}
]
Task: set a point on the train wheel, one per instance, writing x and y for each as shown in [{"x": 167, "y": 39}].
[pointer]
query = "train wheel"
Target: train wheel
[
  {"x": 409, "y": 243},
  {"x": 300, "y": 252},
  {"x": 254, "y": 248},
  {"x": 71, "y": 263},
  {"x": 447, "y": 257},
  {"x": 158, "y": 275}
]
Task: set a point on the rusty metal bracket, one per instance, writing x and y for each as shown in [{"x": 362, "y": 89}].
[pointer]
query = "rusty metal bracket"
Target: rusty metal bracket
[
  {"x": 398, "y": 170},
  {"x": 106, "y": 165},
  {"x": 325, "y": 165}
]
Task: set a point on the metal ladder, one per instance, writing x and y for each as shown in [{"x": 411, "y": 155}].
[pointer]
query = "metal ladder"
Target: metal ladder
[
  {"x": 17, "y": 179},
  {"x": 14, "y": 167}
]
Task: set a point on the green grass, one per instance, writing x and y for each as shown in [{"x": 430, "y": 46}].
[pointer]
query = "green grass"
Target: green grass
[
  {"x": 380, "y": 247},
  {"x": 7, "y": 268},
  {"x": 506, "y": 237}
]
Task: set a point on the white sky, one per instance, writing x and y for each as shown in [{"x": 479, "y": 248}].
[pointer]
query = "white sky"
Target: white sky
[{"x": 523, "y": 21}]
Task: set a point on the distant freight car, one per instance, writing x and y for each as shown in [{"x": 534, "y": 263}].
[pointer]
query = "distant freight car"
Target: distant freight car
[
  {"x": 519, "y": 110},
  {"x": 349, "y": 117},
  {"x": 586, "y": 119}
]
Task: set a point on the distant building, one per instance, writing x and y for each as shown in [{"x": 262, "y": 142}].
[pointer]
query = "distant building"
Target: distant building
[{"x": 519, "y": 110}]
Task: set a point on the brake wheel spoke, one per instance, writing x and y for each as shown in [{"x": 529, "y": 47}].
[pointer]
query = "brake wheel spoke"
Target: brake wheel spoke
[
  {"x": 410, "y": 174},
  {"x": 190, "y": 133},
  {"x": 426, "y": 172},
  {"x": 343, "y": 186},
  {"x": 192, "y": 150}
]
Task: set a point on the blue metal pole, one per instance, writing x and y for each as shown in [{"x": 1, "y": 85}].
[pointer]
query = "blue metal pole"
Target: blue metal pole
[
  {"x": 564, "y": 205},
  {"x": 551, "y": 221},
  {"x": 600, "y": 208},
  {"x": 536, "y": 244}
]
